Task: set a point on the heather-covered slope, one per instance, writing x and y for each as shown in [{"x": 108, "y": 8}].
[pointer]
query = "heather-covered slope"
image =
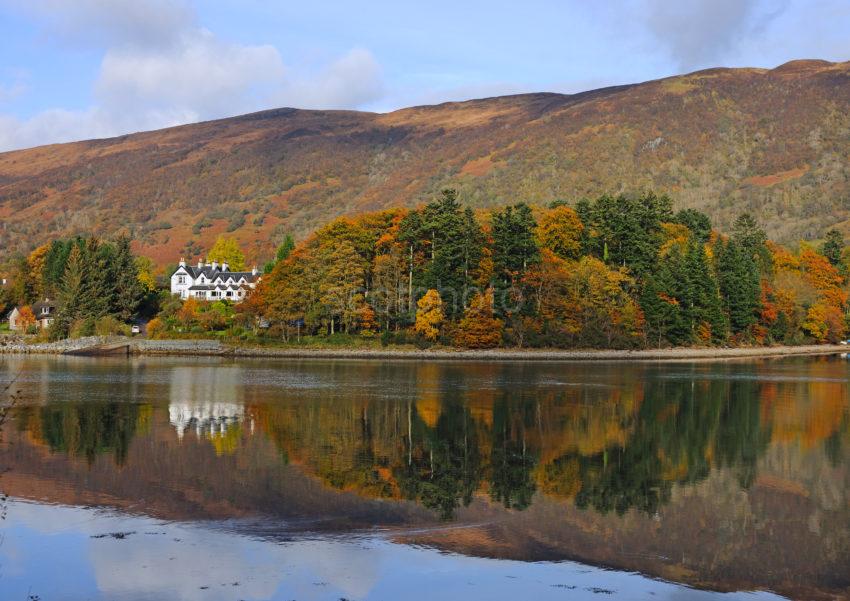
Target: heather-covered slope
[{"x": 773, "y": 142}]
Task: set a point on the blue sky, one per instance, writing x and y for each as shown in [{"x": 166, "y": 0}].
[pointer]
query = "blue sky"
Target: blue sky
[{"x": 76, "y": 69}]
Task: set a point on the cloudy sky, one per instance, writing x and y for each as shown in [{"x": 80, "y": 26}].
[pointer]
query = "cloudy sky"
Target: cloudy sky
[{"x": 76, "y": 69}]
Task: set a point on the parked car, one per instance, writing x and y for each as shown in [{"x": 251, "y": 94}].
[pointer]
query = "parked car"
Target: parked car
[{"x": 135, "y": 330}]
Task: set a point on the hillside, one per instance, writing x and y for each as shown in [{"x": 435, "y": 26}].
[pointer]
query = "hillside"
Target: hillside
[{"x": 773, "y": 142}]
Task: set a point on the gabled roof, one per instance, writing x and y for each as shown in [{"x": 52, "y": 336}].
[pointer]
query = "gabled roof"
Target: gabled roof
[
  {"x": 213, "y": 274},
  {"x": 46, "y": 303}
]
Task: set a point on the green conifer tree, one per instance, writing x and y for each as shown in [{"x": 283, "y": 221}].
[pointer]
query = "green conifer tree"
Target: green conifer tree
[
  {"x": 739, "y": 282},
  {"x": 128, "y": 292}
]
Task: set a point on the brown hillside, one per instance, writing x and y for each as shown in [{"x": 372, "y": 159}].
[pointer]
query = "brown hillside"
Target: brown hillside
[{"x": 773, "y": 142}]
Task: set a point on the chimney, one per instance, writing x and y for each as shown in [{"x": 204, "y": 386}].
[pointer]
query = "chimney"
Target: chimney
[
  {"x": 200, "y": 264},
  {"x": 254, "y": 270},
  {"x": 225, "y": 266},
  {"x": 208, "y": 262},
  {"x": 215, "y": 264},
  {"x": 182, "y": 262}
]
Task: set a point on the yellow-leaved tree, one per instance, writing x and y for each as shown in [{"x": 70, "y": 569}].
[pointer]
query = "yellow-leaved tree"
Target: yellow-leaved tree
[
  {"x": 226, "y": 250},
  {"x": 560, "y": 231},
  {"x": 145, "y": 268},
  {"x": 429, "y": 315}
]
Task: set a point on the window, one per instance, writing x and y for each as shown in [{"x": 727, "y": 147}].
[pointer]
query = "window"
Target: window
[
  {"x": 45, "y": 310},
  {"x": 181, "y": 279},
  {"x": 229, "y": 293}
]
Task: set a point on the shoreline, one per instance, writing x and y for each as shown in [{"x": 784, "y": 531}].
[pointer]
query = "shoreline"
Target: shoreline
[
  {"x": 120, "y": 346},
  {"x": 672, "y": 354}
]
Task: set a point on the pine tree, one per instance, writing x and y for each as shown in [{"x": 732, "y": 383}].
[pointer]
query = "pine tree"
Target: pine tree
[
  {"x": 455, "y": 240},
  {"x": 128, "y": 289},
  {"x": 706, "y": 306},
  {"x": 699, "y": 223},
  {"x": 71, "y": 292},
  {"x": 514, "y": 250},
  {"x": 738, "y": 278},
  {"x": 833, "y": 250}
]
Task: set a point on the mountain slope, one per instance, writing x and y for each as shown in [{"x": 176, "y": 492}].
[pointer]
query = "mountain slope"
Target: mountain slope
[{"x": 773, "y": 142}]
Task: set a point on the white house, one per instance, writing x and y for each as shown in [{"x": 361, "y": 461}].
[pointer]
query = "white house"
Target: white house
[
  {"x": 212, "y": 282},
  {"x": 43, "y": 311}
]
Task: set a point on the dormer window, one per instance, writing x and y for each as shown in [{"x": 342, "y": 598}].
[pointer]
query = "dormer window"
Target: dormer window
[{"x": 45, "y": 310}]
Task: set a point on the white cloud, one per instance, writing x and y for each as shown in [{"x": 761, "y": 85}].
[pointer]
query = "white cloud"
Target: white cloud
[
  {"x": 161, "y": 69},
  {"x": 200, "y": 76},
  {"x": 351, "y": 81}
]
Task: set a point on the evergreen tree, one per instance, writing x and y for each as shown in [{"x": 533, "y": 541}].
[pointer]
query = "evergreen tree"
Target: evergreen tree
[
  {"x": 705, "y": 305},
  {"x": 71, "y": 293},
  {"x": 660, "y": 310},
  {"x": 128, "y": 289},
  {"x": 752, "y": 238},
  {"x": 54, "y": 265},
  {"x": 699, "y": 223},
  {"x": 514, "y": 248},
  {"x": 286, "y": 247},
  {"x": 738, "y": 277},
  {"x": 833, "y": 250},
  {"x": 626, "y": 231},
  {"x": 455, "y": 240}
]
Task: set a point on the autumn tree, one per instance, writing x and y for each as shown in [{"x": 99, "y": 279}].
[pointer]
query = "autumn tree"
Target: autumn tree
[
  {"x": 226, "y": 250},
  {"x": 429, "y": 315},
  {"x": 26, "y": 318},
  {"x": 479, "y": 328},
  {"x": 560, "y": 230}
]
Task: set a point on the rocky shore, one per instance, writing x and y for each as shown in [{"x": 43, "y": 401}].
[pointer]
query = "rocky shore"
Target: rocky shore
[{"x": 215, "y": 348}]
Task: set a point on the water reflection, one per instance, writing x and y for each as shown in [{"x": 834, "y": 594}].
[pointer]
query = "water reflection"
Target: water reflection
[{"x": 692, "y": 467}]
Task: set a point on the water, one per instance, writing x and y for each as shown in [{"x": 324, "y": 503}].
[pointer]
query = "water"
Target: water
[{"x": 217, "y": 479}]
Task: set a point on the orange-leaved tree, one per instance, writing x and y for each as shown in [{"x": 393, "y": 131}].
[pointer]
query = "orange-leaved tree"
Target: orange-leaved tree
[
  {"x": 478, "y": 328},
  {"x": 26, "y": 318},
  {"x": 429, "y": 315}
]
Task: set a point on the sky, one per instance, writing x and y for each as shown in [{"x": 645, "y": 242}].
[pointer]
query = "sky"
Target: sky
[{"x": 80, "y": 69}]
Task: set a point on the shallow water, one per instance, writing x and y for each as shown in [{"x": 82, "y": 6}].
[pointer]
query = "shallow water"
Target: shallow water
[{"x": 217, "y": 479}]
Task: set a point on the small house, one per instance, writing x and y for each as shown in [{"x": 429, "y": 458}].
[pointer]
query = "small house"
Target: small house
[
  {"x": 45, "y": 313},
  {"x": 14, "y": 319}
]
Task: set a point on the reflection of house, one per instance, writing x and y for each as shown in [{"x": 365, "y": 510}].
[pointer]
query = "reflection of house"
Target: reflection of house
[
  {"x": 206, "y": 400},
  {"x": 204, "y": 417},
  {"x": 43, "y": 311},
  {"x": 211, "y": 281}
]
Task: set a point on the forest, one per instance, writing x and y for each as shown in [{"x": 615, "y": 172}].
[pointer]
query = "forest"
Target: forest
[
  {"x": 99, "y": 286},
  {"x": 614, "y": 272},
  {"x": 620, "y": 271}
]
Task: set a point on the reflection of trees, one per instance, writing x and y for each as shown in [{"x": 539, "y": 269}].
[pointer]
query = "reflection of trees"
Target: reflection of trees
[
  {"x": 611, "y": 447},
  {"x": 443, "y": 467},
  {"x": 511, "y": 459},
  {"x": 682, "y": 427},
  {"x": 88, "y": 429}
]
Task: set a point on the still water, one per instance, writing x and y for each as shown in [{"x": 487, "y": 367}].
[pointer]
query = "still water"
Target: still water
[{"x": 210, "y": 479}]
